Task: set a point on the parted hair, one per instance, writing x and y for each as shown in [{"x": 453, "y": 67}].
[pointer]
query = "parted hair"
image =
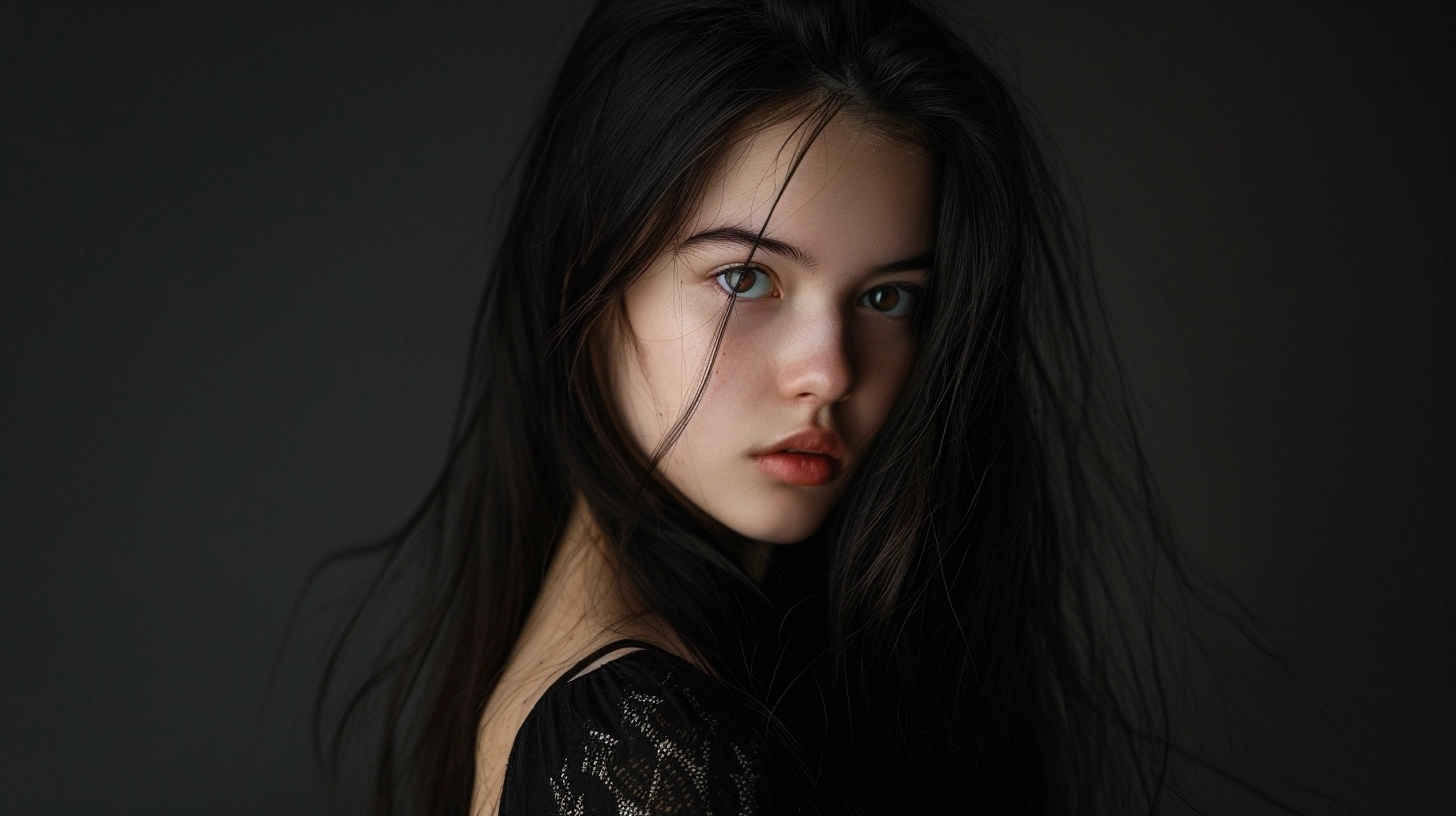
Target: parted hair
[{"x": 970, "y": 625}]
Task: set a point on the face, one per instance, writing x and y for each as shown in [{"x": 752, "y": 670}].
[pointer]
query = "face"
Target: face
[{"x": 820, "y": 339}]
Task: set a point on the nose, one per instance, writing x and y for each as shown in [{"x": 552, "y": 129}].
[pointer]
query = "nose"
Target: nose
[{"x": 814, "y": 364}]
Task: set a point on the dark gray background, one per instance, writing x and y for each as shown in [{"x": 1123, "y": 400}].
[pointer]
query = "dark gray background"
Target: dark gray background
[{"x": 238, "y": 258}]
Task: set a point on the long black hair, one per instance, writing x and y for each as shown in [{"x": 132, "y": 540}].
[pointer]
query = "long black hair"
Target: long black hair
[{"x": 974, "y": 619}]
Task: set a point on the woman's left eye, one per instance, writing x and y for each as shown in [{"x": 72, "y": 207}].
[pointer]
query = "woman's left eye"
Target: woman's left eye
[
  {"x": 890, "y": 300},
  {"x": 745, "y": 282}
]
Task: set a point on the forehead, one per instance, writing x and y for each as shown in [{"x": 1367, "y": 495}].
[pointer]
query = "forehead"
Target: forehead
[{"x": 856, "y": 197}]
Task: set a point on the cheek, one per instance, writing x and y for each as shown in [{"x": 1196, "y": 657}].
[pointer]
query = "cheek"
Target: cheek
[
  {"x": 658, "y": 376},
  {"x": 730, "y": 409},
  {"x": 738, "y": 397},
  {"x": 883, "y": 356},
  {"x": 659, "y": 367}
]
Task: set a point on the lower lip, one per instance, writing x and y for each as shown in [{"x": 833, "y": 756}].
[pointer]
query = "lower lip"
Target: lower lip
[{"x": 805, "y": 469}]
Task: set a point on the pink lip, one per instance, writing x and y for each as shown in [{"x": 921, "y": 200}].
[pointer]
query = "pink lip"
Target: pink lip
[{"x": 809, "y": 458}]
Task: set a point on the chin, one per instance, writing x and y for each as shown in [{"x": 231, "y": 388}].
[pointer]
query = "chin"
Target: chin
[{"x": 777, "y": 519}]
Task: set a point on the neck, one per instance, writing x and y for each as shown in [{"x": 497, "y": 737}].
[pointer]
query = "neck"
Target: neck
[
  {"x": 585, "y": 581},
  {"x": 752, "y": 556},
  {"x": 587, "y": 596},
  {"x": 584, "y": 578}
]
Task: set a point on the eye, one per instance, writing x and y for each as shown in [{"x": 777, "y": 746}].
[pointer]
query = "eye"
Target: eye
[
  {"x": 890, "y": 300},
  {"x": 745, "y": 282}
]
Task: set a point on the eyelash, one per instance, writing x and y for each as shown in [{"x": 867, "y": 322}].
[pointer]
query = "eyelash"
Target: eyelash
[{"x": 904, "y": 301}]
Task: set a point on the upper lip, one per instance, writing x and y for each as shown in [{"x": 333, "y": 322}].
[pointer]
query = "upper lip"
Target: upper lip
[{"x": 810, "y": 440}]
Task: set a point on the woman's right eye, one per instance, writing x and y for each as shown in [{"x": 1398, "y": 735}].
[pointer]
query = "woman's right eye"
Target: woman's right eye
[{"x": 745, "y": 282}]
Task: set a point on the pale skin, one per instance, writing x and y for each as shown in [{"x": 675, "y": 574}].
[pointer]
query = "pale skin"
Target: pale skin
[{"x": 820, "y": 341}]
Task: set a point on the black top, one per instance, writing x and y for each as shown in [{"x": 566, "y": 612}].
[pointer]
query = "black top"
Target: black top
[{"x": 647, "y": 733}]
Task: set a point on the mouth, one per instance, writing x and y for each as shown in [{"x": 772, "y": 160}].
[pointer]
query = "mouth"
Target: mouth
[{"x": 809, "y": 458}]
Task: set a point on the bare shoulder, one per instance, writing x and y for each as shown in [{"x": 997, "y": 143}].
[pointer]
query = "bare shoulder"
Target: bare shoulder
[
  {"x": 579, "y": 610},
  {"x": 644, "y": 732},
  {"x": 535, "y": 666}
]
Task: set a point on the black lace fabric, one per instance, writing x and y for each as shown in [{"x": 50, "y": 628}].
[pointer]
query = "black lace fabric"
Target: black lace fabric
[{"x": 646, "y": 734}]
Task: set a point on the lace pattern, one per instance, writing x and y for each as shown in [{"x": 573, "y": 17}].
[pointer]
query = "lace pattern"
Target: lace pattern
[
  {"x": 639, "y": 736},
  {"x": 661, "y": 766}
]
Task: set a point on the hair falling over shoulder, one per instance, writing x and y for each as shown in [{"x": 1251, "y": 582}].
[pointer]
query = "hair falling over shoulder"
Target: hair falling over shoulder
[{"x": 980, "y": 621}]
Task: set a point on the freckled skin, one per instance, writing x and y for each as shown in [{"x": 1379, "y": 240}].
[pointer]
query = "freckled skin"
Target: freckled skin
[{"x": 812, "y": 353}]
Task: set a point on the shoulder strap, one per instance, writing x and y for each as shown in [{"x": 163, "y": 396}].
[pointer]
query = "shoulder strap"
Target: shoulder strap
[{"x": 596, "y": 655}]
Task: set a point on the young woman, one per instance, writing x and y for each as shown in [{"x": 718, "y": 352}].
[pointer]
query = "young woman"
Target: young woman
[{"x": 783, "y": 482}]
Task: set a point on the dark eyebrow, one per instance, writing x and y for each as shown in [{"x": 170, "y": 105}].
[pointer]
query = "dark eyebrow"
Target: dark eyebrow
[
  {"x": 921, "y": 261},
  {"x": 747, "y": 239},
  {"x": 742, "y": 237}
]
